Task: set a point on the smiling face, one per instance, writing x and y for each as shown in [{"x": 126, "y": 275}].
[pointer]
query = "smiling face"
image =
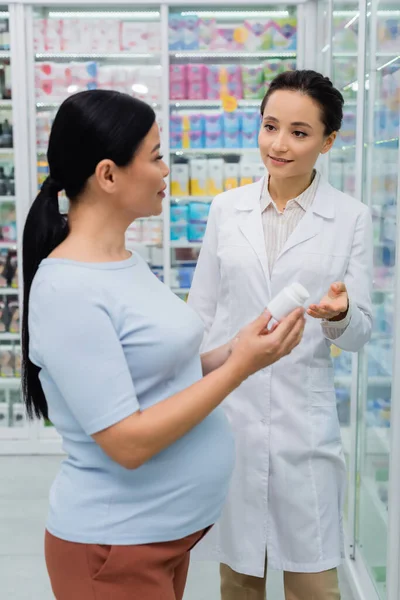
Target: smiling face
[{"x": 292, "y": 134}]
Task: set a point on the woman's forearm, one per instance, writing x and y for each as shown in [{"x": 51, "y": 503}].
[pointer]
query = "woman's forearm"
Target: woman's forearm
[{"x": 215, "y": 358}]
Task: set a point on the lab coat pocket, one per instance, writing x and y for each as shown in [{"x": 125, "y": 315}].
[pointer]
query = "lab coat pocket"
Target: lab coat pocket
[{"x": 321, "y": 386}]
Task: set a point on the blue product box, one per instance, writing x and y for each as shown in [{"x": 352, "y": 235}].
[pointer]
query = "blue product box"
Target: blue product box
[
  {"x": 176, "y": 123},
  {"x": 176, "y": 140},
  {"x": 175, "y": 32},
  {"x": 185, "y": 275},
  {"x": 179, "y": 213},
  {"x": 250, "y": 139},
  {"x": 196, "y": 122},
  {"x": 196, "y": 232},
  {"x": 196, "y": 139},
  {"x": 233, "y": 139},
  {"x": 251, "y": 121},
  {"x": 178, "y": 232},
  {"x": 198, "y": 212},
  {"x": 213, "y": 123},
  {"x": 232, "y": 121},
  {"x": 213, "y": 140}
]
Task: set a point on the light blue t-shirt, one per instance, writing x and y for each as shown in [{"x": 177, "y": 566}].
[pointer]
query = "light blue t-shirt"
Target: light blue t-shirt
[{"x": 111, "y": 339}]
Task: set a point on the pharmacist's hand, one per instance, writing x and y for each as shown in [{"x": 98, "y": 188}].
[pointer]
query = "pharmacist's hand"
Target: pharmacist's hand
[
  {"x": 256, "y": 348},
  {"x": 334, "y": 306}
]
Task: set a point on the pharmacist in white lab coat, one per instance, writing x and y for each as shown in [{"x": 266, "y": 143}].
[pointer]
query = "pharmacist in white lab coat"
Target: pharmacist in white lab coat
[{"x": 285, "y": 504}]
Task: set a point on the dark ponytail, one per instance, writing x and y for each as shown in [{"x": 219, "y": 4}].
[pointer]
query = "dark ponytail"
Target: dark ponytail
[
  {"x": 45, "y": 228},
  {"x": 88, "y": 128}
]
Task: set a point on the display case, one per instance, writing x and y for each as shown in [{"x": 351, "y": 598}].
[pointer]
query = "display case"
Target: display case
[
  {"x": 363, "y": 58},
  {"x": 221, "y": 63},
  {"x": 13, "y": 423}
]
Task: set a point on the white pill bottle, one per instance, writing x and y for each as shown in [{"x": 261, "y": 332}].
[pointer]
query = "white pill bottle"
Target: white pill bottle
[{"x": 291, "y": 297}]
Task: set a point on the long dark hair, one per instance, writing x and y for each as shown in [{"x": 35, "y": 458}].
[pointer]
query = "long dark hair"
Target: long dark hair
[
  {"x": 319, "y": 88},
  {"x": 89, "y": 127}
]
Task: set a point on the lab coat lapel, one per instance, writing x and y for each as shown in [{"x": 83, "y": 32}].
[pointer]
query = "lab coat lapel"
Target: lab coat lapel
[
  {"x": 322, "y": 208},
  {"x": 250, "y": 224}
]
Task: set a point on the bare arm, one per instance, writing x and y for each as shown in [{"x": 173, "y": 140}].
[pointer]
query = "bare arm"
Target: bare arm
[
  {"x": 139, "y": 437},
  {"x": 215, "y": 358}
]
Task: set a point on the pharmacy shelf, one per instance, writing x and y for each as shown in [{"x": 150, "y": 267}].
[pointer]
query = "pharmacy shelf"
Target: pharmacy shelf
[
  {"x": 248, "y": 55},
  {"x": 8, "y": 291},
  {"x": 10, "y": 337},
  {"x": 6, "y": 103},
  {"x": 5, "y": 55},
  {"x": 8, "y": 245},
  {"x": 8, "y": 199},
  {"x": 6, "y": 151},
  {"x": 10, "y": 383},
  {"x": 378, "y": 440},
  {"x": 183, "y": 199},
  {"x": 241, "y": 151},
  {"x": 177, "y": 244},
  {"x": 96, "y": 55},
  {"x": 354, "y": 54},
  {"x": 211, "y": 103}
]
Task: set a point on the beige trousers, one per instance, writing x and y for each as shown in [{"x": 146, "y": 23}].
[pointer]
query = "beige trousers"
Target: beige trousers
[{"x": 298, "y": 586}]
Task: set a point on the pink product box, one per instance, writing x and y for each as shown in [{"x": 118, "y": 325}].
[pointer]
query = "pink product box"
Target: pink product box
[
  {"x": 195, "y": 73},
  {"x": 196, "y": 91},
  {"x": 178, "y": 90},
  {"x": 52, "y": 81},
  {"x": 256, "y": 32},
  {"x": 177, "y": 73},
  {"x": 216, "y": 73}
]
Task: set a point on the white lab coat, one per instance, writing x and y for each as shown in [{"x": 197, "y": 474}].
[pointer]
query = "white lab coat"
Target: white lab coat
[{"x": 288, "y": 486}]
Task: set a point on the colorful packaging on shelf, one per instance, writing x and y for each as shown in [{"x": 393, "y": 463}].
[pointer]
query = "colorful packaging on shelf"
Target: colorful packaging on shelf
[
  {"x": 246, "y": 173},
  {"x": 13, "y": 315},
  {"x": 249, "y": 139},
  {"x": 178, "y": 73},
  {"x": 251, "y": 121},
  {"x": 254, "y": 34},
  {"x": 347, "y": 133},
  {"x": 272, "y": 68},
  {"x": 231, "y": 175},
  {"x": 196, "y": 90},
  {"x": 180, "y": 179},
  {"x": 70, "y": 36},
  {"x": 195, "y": 73},
  {"x": 175, "y": 32},
  {"x": 196, "y": 232},
  {"x": 152, "y": 231},
  {"x": 179, "y": 213},
  {"x": 255, "y": 91},
  {"x": 207, "y": 33},
  {"x": 232, "y": 121},
  {"x": 198, "y": 177},
  {"x": 215, "y": 181},
  {"x": 196, "y": 140},
  {"x": 178, "y": 90},
  {"x": 213, "y": 123},
  {"x": 191, "y": 32},
  {"x": 214, "y": 140},
  {"x": 178, "y": 232},
  {"x": 281, "y": 35},
  {"x": 198, "y": 212},
  {"x": 133, "y": 36},
  {"x": 6, "y": 361},
  {"x": 232, "y": 139},
  {"x": 229, "y": 37},
  {"x": 176, "y": 140},
  {"x": 176, "y": 123},
  {"x": 252, "y": 74}
]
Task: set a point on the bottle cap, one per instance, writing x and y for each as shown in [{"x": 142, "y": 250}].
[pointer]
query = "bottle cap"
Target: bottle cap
[{"x": 299, "y": 292}]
